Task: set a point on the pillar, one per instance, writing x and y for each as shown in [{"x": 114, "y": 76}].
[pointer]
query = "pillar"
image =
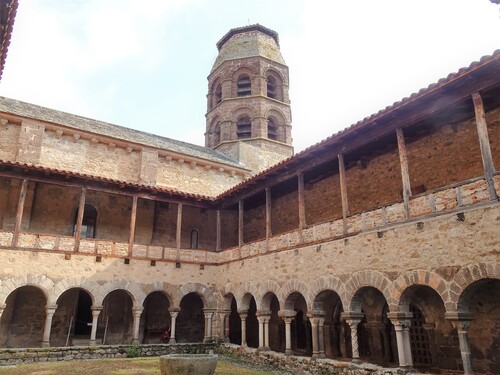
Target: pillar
[
  {"x": 314, "y": 331},
  {"x": 243, "y": 317},
  {"x": 261, "y": 332},
  {"x": 208, "y": 324},
  {"x": 353, "y": 325},
  {"x": 133, "y": 218},
  {"x": 19, "y": 212},
  {"x": 218, "y": 232},
  {"x": 321, "y": 337},
  {"x": 343, "y": 191},
  {"x": 2, "y": 308},
  {"x": 173, "y": 319},
  {"x": 224, "y": 324},
  {"x": 96, "y": 310},
  {"x": 288, "y": 316},
  {"x": 267, "y": 318},
  {"x": 461, "y": 322},
  {"x": 405, "y": 175},
  {"x": 269, "y": 211},
  {"x": 79, "y": 220},
  {"x": 50, "y": 310},
  {"x": 136, "y": 312},
  {"x": 402, "y": 322},
  {"x": 484, "y": 144}
]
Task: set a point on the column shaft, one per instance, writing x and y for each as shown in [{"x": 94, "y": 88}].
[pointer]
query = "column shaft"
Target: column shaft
[
  {"x": 95, "y": 316},
  {"x": 50, "y": 310},
  {"x": 173, "y": 319}
]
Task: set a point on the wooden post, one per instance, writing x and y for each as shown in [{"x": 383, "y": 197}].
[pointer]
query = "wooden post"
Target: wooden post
[
  {"x": 240, "y": 223},
  {"x": 301, "y": 206},
  {"x": 405, "y": 175},
  {"x": 343, "y": 191},
  {"x": 484, "y": 143},
  {"x": 133, "y": 217},
  {"x": 218, "y": 239},
  {"x": 79, "y": 219},
  {"x": 179, "y": 226},
  {"x": 269, "y": 231},
  {"x": 19, "y": 213}
]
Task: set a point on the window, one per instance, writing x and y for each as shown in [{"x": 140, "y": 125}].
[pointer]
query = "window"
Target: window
[
  {"x": 271, "y": 87},
  {"x": 216, "y": 135},
  {"x": 89, "y": 221},
  {"x": 218, "y": 94},
  {"x": 244, "y": 127},
  {"x": 194, "y": 239},
  {"x": 271, "y": 129},
  {"x": 244, "y": 86}
]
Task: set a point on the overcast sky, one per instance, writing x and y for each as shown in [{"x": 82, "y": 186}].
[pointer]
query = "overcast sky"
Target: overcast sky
[{"x": 143, "y": 64}]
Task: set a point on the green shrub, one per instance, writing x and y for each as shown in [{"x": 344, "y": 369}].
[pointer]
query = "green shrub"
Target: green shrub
[{"x": 133, "y": 350}]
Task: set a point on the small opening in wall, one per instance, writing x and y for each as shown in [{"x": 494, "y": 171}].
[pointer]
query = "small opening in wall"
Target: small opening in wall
[
  {"x": 202, "y": 266},
  {"x": 153, "y": 263},
  {"x": 98, "y": 258},
  {"x": 380, "y": 234},
  {"x": 318, "y": 248},
  {"x": 126, "y": 261},
  {"x": 461, "y": 216},
  {"x": 420, "y": 225},
  {"x": 67, "y": 256},
  {"x": 177, "y": 265}
]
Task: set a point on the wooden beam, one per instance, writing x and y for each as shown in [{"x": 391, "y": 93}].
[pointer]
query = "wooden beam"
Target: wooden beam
[
  {"x": 178, "y": 232},
  {"x": 484, "y": 143},
  {"x": 405, "y": 175},
  {"x": 240, "y": 223},
  {"x": 133, "y": 218},
  {"x": 343, "y": 191},
  {"x": 269, "y": 231},
  {"x": 219, "y": 230},
  {"x": 19, "y": 213},
  {"x": 79, "y": 219},
  {"x": 301, "y": 205}
]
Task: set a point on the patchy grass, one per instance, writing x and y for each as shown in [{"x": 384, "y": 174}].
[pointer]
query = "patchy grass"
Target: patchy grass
[{"x": 126, "y": 366}]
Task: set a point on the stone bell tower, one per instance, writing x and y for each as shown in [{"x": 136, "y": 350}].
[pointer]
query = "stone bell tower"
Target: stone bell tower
[{"x": 248, "y": 114}]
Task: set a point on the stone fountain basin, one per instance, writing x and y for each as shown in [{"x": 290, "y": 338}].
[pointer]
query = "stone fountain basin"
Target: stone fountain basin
[{"x": 188, "y": 364}]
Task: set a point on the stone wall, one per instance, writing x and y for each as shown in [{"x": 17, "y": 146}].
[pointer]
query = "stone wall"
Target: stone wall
[{"x": 18, "y": 356}]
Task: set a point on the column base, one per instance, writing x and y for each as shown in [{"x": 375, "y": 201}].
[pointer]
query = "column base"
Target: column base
[
  {"x": 135, "y": 341},
  {"x": 45, "y": 344},
  {"x": 172, "y": 341},
  {"x": 288, "y": 352},
  {"x": 92, "y": 342},
  {"x": 356, "y": 360}
]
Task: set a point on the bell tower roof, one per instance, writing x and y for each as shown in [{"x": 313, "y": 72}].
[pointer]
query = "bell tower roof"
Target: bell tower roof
[{"x": 249, "y": 41}]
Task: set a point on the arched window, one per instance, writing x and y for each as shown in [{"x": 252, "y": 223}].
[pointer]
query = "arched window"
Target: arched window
[
  {"x": 216, "y": 135},
  {"x": 271, "y": 87},
  {"x": 244, "y": 85},
  {"x": 244, "y": 127},
  {"x": 271, "y": 129},
  {"x": 218, "y": 94},
  {"x": 89, "y": 221},
  {"x": 194, "y": 239}
]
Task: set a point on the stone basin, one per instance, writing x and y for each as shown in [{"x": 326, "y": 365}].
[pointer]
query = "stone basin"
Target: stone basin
[{"x": 188, "y": 364}]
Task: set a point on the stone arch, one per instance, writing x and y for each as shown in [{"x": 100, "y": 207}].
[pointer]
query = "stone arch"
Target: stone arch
[
  {"x": 291, "y": 287},
  {"x": 242, "y": 71},
  {"x": 242, "y": 293},
  {"x": 91, "y": 287},
  {"x": 466, "y": 277},
  {"x": 267, "y": 288},
  {"x": 206, "y": 294},
  {"x": 133, "y": 290},
  {"x": 241, "y": 111},
  {"x": 45, "y": 284},
  {"x": 360, "y": 279},
  {"x": 323, "y": 283},
  {"x": 403, "y": 283},
  {"x": 167, "y": 289}
]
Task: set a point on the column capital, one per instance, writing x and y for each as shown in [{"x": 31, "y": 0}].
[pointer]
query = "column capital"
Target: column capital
[
  {"x": 2, "y": 306},
  {"x": 174, "y": 309},
  {"x": 400, "y": 319},
  {"x": 264, "y": 312},
  {"x": 352, "y": 315},
  {"x": 96, "y": 307},
  {"x": 460, "y": 320},
  {"x": 287, "y": 314},
  {"x": 50, "y": 309},
  {"x": 137, "y": 311}
]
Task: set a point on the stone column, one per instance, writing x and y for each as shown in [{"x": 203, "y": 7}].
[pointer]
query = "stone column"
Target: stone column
[
  {"x": 2, "y": 308},
  {"x": 50, "y": 310},
  {"x": 401, "y": 322},
  {"x": 136, "y": 312},
  {"x": 353, "y": 325},
  {"x": 208, "y": 324},
  {"x": 224, "y": 317},
  {"x": 261, "y": 332},
  {"x": 288, "y": 316},
  {"x": 461, "y": 322},
  {"x": 96, "y": 310},
  {"x": 267, "y": 318},
  {"x": 173, "y": 318},
  {"x": 321, "y": 337},
  {"x": 243, "y": 317},
  {"x": 314, "y": 331}
]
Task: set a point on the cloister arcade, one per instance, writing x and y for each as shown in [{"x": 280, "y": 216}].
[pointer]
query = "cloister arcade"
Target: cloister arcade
[{"x": 419, "y": 319}]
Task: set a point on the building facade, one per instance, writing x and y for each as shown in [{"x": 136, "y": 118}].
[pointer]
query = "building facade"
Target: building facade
[{"x": 379, "y": 244}]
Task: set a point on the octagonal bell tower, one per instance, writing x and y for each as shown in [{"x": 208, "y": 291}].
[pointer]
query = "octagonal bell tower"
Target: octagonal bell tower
[{"x": 248, "y": 114}]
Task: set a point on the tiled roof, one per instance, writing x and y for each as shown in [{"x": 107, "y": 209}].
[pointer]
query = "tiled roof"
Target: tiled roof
[
  {"x": 55, "y": 171},
  {"x": 8, "y": 10},
  {"x": 118, "y": 132}
]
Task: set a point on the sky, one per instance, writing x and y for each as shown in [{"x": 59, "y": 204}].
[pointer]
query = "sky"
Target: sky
[{"x": 144, "y": 64}]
